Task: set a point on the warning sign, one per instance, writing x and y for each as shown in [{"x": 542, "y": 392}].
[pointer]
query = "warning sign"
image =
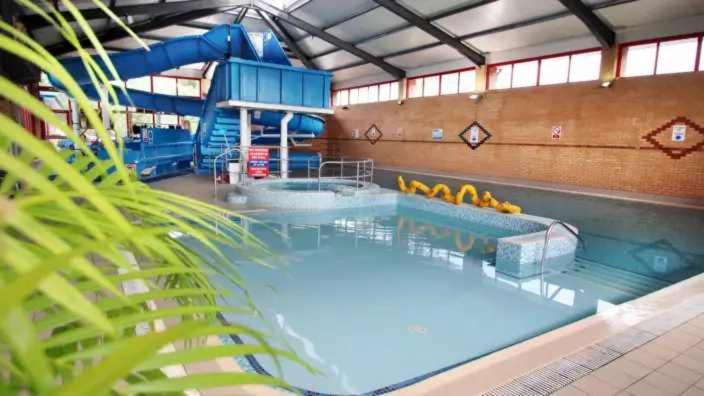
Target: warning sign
[
  {"x": 258, "y": 162},
  {"x": 556, "y": 132}
]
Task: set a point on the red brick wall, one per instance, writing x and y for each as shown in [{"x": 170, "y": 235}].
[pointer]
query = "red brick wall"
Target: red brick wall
[{"x": 602, "y": 143}]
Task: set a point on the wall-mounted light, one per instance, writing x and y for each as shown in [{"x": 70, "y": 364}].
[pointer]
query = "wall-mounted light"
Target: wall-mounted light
[
  {"x": 606, "y": 83},
  {"x": 475, "y": 96}
]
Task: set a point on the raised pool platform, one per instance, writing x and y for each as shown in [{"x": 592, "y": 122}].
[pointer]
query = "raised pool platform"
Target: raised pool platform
[{"x": 518, "y": 255}]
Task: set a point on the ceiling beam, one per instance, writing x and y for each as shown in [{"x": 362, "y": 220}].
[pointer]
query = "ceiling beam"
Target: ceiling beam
[
  {"x": 315, "y": 31},
  {"x": 498, "y": 29},
  {"x": 34, "y": 21},
  {"x": 422, "y": 24},
  {"x": 242, "y": 14},
  {"x": 283, "y": 35},
  {"x": 431, "y": 18},
  {"x": 118, "y": 32},
  {"x": 599, "y": 28}
]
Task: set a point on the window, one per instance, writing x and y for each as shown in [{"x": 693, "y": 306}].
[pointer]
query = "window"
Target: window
[
  {"x": 363, "y": 93},
  {"x": 677, "y": 56},
  {"x": 188, "y": 87},
  {"x": 449, "y": 83},
  {"x": 140, "y": 84},
  {"x": 415, "y": 88},
  {"x": 373, "y": 94},
  {"x": 343, "y": 98},
  {"x": 384, "y": 93},
  {"x": 662, "y": 56},
  {"x": 525, "y": 74},
  {"x": 393, "y": 90},
  {"x": 468, "y": 81},
  {"x": 142, "y": 119},
  {"x": 165, "y": 120},
  {"x": 585, "y": 67},
  {"x": 554, "y": 70},
  {"x": 164, "y": 85},
  {"x": 549, "y": 70},
  {"x": 500, "y": 77},
  {"x": 701, "y": 54},
  {"x": 354, "y": 96},
  {"x": 431, "y": 86}
]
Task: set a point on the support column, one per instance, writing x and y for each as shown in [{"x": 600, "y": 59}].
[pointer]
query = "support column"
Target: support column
[
  {"x": 245, "y": 139},
  {"x": 402, "y": 94},
  {"x": 609, "y": 63},
  {"x": 283, "y": 151},
  {"x": 75, "y": 117},
  {"x": 104, "y": 110}
]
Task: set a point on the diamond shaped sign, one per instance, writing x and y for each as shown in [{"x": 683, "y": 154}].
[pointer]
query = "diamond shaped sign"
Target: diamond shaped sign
[
  {"x": 475, "y": 135},
  {"x": 669, "y": 138},
  {"x": 373, "y": 134}
]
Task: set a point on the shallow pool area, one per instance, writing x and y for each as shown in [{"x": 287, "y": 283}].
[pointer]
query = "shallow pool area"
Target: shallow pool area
[{"x": 383, "y": 297}]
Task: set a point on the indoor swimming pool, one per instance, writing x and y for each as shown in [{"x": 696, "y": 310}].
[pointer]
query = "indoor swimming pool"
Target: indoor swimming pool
[{"x": 384, "y": 297}]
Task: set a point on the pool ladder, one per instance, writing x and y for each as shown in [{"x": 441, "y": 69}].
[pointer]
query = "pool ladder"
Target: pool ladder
[{"x": 547, "y": 239}]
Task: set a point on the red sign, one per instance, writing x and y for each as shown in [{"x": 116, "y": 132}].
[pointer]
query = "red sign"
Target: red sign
[{"x": 258, "y": 162}]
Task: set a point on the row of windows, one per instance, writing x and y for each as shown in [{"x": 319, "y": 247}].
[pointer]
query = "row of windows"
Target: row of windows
[
  {"x": 551, "y": 70},
  {"x": 368, "y": 94},
  {"x": 175, "y": 86},
  {"x": 450, "y": 83},
  {"x": 664, "y": 56}
]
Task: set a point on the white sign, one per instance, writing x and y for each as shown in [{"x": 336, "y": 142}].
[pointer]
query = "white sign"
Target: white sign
[
  {"x": 355, "y": 133},
  {"x": 474, "y": 135},
  {"x": 556, "y": 132},
  {"x": 437, "y": 134},
  {"x": 679, "y": 133}
]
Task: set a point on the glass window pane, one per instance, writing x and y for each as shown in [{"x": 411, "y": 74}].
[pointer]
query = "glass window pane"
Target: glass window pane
[
  {"x": 449, "y": 83},
  {"x": 415, "y": 88},
  {"x": 344, "y": 96},
  {"x": 525, "y": 74},
  {"x": 188, "y": 87},
  {"x": 164, "y": 85},
  {"x": 140, "y": 84},
  {"x": 384, "y": 92},
  {"x": 554, "y": 70},
  {"x": 393, "y": 91},
  {"x": 120, "y": 123},
  {"x": 701, "y": 56},
  {"x": 142, "y": 119},
  {"x": 677, "y": 56},
  {"x": 363, "y": 95},
  {"x": 167, "y": 119},
  {"x": 431, "y": 86},
  {"x": 500, "y": 77},
  {"x": 354, "y": 96},
  {"x": 190, "y": 123},
  {"x": 373, "y": 93},
  {"x": 638, "y": 60},
  {"x": 585, "y": 67},
  {"x": 468, "y": 81}
]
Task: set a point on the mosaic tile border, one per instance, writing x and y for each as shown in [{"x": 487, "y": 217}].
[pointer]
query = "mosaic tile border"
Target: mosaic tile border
[{"x": 563, "y": 372}]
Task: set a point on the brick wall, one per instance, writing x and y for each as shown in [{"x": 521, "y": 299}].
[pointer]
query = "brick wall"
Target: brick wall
[{"x": 602, "y": 143}]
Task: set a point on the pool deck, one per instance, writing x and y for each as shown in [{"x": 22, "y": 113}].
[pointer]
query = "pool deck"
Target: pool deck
[{"x": 653, "y": 345}]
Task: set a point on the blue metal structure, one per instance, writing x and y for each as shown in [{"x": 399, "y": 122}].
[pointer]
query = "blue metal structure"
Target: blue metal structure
[{"x": 243, "y": 77}]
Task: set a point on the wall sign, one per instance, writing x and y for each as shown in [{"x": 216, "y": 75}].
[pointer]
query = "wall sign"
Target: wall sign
[
  {"x": 679, "y": 132},
  {"x": 556, "y": 132},
  {"x": 355, "y": 133},
  {"x": 475, "y": 135},
  {"x": 373, "y": 134},
  {"x": 437, "y": 134},
  {"x": 258, "y": 162},
  {"x": 676, "y": 130}
]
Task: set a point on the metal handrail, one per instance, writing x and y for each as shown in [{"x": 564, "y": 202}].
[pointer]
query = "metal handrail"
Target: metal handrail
[
  {"x": 215, "y": 168},
  {"x": 547, "y": 236},
  {"x": 364, "y": 176}
]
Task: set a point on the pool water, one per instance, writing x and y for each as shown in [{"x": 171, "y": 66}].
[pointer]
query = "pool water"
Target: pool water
[
  {"x": 380, "y": 298},
  {"x": 308, "y": 186}
]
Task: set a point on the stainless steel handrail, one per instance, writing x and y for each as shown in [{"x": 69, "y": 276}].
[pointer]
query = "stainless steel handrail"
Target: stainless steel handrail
[
  {"x": 547, "y": 236},
  {"x": 367, "y": 172},
  {"x": 215, "y": 167}
]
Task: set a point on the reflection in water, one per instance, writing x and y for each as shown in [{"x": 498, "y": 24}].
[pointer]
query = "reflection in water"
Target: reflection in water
[{"x": 358, "y": 290}]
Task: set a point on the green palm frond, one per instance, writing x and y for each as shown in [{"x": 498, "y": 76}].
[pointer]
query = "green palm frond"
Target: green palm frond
[{"x": 105, "y": 281}]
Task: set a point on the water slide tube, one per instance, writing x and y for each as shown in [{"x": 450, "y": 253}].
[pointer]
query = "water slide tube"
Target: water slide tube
[{"x": 220, "y": 43}]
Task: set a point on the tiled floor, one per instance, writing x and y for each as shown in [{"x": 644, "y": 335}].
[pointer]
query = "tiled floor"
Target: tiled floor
[{"x": 667, "y": 362}]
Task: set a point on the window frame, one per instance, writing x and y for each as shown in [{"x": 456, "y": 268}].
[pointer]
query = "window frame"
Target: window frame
[
  {"x": 540, "y": 64},
  {"x": 368, "y": 87},
  {"x": 440, "y": 78},
  {"x": 659, "y": 40}
]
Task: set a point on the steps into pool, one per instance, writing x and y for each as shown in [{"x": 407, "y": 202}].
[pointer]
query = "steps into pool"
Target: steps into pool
[{"x": 615, "y": 278}]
